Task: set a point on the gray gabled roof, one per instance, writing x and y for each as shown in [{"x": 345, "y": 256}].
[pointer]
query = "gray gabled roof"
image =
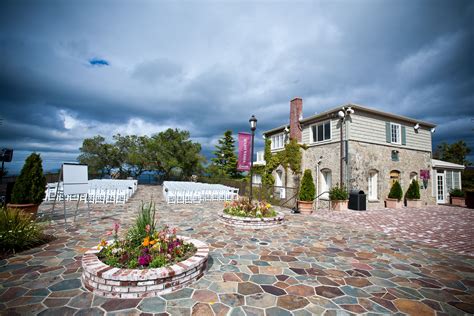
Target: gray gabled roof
[
  {"x": 445, "y": 165},
  {"x": 328, "y": 113}
]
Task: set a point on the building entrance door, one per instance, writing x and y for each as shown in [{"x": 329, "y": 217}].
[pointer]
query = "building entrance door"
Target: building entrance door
[{"x": 440, "y": 188}]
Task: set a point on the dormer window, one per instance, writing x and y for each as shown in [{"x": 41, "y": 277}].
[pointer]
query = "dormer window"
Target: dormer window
[
  {"x": 278, "y": 141},
  {"x": 321, "y": 132}
]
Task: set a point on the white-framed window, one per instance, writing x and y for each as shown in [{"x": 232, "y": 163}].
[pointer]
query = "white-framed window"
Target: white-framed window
[
  {"x": 453, "y": 180},
  {"x": 278, "y": 141},
  {"x": 395, "y": 133},
  {"x": 373, "y": 185},
  {"x": 257, "y": 179},
  {"x": 321, "y": 132},
  {"x": 326, "y": 183}
]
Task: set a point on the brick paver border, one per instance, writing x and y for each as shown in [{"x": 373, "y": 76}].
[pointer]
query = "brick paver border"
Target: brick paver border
[
  {"x": 108, "y": 281},
  {"x": 252, "y": 222}
]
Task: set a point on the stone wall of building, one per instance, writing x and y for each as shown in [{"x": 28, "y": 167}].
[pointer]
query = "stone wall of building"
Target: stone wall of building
[
  {"x": 329, "y": 155},
  {"x": 364, "y": 157}
]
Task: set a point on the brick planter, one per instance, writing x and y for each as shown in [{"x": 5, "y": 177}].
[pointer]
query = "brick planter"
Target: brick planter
[
  {"x": 252, "y": 222},
  {"x": 108, "y": 281}
]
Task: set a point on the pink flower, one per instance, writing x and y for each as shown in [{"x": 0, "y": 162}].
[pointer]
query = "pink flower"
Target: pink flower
[
  {"x": 147, "y": 228},
  {"x": 116, "y": 227},
  {"x": 109, "y": 233}
]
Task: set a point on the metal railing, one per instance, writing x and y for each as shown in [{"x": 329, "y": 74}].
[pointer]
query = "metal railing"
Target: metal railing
[{"x": 276, "y": 195}]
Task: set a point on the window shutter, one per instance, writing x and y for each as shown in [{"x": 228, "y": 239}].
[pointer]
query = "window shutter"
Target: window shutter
[
  {"x": 404, "y": 136},
  {"x": 388, "y": 135}
]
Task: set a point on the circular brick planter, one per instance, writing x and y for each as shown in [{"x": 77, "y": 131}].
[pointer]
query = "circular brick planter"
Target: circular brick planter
[
  {"x": 252, "y": 222},
  {"x": 108, "y": 281}
]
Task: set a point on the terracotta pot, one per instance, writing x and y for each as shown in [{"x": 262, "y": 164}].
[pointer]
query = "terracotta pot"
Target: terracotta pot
[
  {"x": 458, "y": 201},
  {"x": 393, "y": 203},
  {"x": 31, "y": 209},
  {"x": 305, "y": 207},
  {"x": 414, "y": 203},
  {"x": 339, "y": 205}
]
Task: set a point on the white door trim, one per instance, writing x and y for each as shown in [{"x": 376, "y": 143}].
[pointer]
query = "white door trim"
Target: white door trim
[{"x": 440, "y": 188}]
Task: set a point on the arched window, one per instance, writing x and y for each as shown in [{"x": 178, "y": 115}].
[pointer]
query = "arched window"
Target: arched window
[
  {"x": 326, "y": 182},
  {"x": 279, "y": 178},
  {"x": 394, "y": 176},
  {"x": 373, "y": 185},
  {"x": 413, "y": 176}
]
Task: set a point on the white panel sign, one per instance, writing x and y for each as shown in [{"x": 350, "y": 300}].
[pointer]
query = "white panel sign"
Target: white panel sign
[{"x": 75, "y": 178}]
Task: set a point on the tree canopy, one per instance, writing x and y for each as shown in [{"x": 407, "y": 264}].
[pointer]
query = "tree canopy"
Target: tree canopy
[
  {"x": 224, "y": 164},
  {"x": 455, "y": 152},
  {"x": 167, "y": 152}
]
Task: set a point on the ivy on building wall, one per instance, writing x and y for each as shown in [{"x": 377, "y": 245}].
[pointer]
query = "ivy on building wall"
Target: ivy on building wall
[{"x": 290, "y": 158}]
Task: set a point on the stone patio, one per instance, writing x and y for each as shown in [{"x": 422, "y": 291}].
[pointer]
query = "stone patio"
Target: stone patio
[{"x": 330, "y": 264}]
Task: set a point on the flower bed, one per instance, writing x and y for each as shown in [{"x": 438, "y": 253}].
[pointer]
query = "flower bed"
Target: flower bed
[
  {"x": 108, "y": 281},
  {"x": 244, "y": 214},
  {"x": 147, "y": 262}
]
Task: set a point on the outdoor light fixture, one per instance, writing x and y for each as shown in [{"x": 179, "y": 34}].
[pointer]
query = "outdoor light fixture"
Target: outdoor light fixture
[
  {"x": 253, "y": 127},
  {"x": 342, "y": 114},
  {"x": 253, "y": 123},
  {"x": 433, "y": 130},
  {"x": 286, "y": 129},
  {"x": 417, "y": 126}
]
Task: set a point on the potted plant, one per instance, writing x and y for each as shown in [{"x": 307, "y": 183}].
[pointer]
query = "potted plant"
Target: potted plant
[
  {"x": 30, "y": 186},
  {"x": 395, "y": 196},
  {"x": 307, "y": 192},
  {"x": 339, "y": 198},
  {"x": 457, "y": 197},
  {"x": 413, "y": 195}
]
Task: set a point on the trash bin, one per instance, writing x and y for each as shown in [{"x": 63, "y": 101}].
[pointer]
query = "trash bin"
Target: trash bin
[
  {"x": 470, "y": 199},
  {"x": 357, "y": 200}
]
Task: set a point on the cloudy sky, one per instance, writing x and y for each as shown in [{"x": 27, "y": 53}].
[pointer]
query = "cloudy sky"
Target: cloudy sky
[{"x": 75, "y": 69}]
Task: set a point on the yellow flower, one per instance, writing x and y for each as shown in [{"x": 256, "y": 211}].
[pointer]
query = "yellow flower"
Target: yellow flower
[
  {"x": 152, "y": 242},
  {"x": 146, "y": 241},
  {"x": 102, "y": 243}
]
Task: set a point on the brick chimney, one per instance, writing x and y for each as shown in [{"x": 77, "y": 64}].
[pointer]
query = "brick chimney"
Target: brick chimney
[{"x": 296, "y": 113}]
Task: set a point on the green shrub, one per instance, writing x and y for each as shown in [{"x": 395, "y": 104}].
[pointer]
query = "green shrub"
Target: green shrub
[
  {"x": 456, "y": 193},
  {"x": 338, "y": 193},
  {"x": 30, "y": 185},
  {"x": 243, "y": 208},
  {"x": 157, "y": 249},
  {"x": 396, "y": 191},
  {"x": 146, "y": 216},
  {"x": 413, "y": 192},
  {"x": 308, "y": 190},
  {"x": 19, "y": 231}
]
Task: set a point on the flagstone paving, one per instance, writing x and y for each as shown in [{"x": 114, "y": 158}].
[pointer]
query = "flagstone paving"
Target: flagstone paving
[
  {"x": 440, "y": 226},
  {"x": 309, "y": 265}
]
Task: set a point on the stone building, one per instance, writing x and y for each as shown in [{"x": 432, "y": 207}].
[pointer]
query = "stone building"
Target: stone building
[{"x": 364, "y": 149}]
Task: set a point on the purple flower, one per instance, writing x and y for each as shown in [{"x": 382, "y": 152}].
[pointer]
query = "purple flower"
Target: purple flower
[{"x": 144, "y": 260}]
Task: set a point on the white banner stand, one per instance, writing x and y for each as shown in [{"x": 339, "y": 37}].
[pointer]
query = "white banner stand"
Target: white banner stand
[{"x": 75, "y": 181}]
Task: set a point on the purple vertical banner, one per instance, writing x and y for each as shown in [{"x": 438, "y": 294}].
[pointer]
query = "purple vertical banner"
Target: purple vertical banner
[{"x": 244, "y": 162}]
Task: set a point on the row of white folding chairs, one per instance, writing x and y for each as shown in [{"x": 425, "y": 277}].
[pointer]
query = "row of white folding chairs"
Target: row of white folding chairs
[
  {"x": 197, "y": 196},
  {"x": 114, "y": 183},
  {"x": 105, "y": 195}
]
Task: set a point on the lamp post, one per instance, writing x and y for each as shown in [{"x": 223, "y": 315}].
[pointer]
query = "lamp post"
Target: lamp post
[
  {"x": 253, "y": 127},
  {"x": 342, "y": 114}
]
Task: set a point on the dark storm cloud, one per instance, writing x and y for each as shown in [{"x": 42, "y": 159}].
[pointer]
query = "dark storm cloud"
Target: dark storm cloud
[{"x": 73, "y": 70}]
